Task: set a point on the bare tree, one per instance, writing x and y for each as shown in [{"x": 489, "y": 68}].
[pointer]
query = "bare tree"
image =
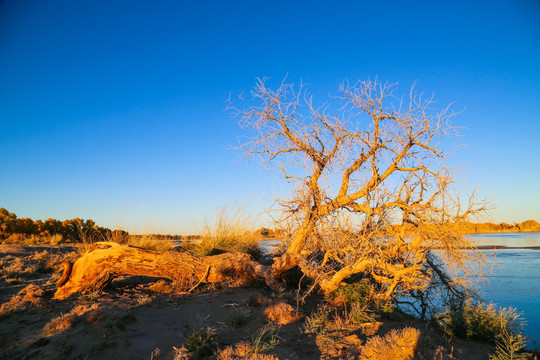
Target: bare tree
[
  {"x": 373, "y": 194},
  {"x": 373, "y": 198}
]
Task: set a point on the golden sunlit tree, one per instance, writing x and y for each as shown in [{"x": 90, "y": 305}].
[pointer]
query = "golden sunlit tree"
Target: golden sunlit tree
[
  {"x": 372, "y": 193},
  {"x": 373, "y": 199}
]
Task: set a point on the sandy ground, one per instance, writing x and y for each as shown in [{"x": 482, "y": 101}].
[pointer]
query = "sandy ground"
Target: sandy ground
[{"x": 139, "y": 318}]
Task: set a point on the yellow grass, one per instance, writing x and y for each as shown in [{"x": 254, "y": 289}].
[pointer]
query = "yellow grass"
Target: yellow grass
[
  {"x": 31, "y": 295},
  {"x": 281, "y": 313},
  {"x": 230, "y": 232},
  {"x": 397, "y": 344}
]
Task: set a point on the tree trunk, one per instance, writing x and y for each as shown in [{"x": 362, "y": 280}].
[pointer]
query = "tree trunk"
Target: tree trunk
[
  {"x": 295, "y": 251},
  {"x": 110, "y": 260}
]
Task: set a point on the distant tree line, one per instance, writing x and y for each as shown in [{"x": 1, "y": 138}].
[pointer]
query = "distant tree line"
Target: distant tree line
[
  {"x": 72, "y": 229},
  {"x": 487, "y": 227}
]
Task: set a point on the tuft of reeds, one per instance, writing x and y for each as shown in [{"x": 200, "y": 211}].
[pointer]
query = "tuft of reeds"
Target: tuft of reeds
[
  {"x": 230, "y": 232},
  {"x": 150, "y": 242},
  {"x": 145, "y": 241}
]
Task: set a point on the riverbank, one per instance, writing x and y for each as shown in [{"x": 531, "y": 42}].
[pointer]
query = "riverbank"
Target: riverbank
[{"x": 144, "y": 318}]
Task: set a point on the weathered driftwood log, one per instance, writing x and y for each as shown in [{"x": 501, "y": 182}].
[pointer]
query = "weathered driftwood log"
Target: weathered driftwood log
[{"x": 109, "y": 260}]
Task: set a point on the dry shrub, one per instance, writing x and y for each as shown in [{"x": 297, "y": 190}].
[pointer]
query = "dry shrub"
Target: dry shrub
[
  {"x": 243, "y": 351},
  {"x": 397, "y": 344},
  {"x": 29, "y": 296},
  {"x": 281, "y": 313}
]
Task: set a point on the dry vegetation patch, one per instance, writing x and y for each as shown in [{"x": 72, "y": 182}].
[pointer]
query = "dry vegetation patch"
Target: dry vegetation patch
[
  {"x": 243, "y": 351},
  {"x": 397, "y": 344},
  {"x": 31, "y": 295},
  {"x": 281, "y": 313},
  {"x": 66, "y": 321}
]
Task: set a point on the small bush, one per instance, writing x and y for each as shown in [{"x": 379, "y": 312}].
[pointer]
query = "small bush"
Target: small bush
[
  {"x": 281, "y": 313},
  {"x": 201, "y": 341},
  {"x": 239, "y": 318},
  {"x": 360, "y": 292},
  {"x": 509, "y": 347},
  {"x": 317, "y": 321},
  {"x": 464, "y": 318},
  {"x": 18, "y": 267},
  {"x": 55, "y": 239},
  {"x": 397, "y": 344},
  {"x": 359, "y": 315}
]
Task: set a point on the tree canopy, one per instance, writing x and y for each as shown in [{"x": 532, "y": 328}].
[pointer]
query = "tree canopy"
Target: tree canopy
[{"x": 362, "y": 162}]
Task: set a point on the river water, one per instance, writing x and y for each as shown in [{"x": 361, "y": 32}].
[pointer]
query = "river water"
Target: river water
[{"x": 515, "y": 277}]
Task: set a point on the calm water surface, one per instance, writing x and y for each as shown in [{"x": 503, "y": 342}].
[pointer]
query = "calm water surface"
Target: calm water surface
[{"x": 515, "y": 278}]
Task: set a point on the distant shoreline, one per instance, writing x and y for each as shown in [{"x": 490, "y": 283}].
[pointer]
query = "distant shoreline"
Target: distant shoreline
[{"x": 503, "y": 247}]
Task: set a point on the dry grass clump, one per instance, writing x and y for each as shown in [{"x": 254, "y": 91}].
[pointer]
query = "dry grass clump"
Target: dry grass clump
[
  {"x": 150, "y": 242},
  {"x": 243, "y": 351},
  {"x": 230, "y": 232},
  {"x": 266, "y": 339},
  {"x": 397, "y": 344},
  {"x": 59, "y": 324},
  {"x": 31, "y": 295},
  {"x": 16, "y": 266},
  {"x": 145, "y": 241},
  {"x": 66, "y": 321},
  {"x": 281, "y": 313}
]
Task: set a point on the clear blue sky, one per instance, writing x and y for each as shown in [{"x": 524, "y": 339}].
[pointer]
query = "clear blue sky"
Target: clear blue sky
[{"x": 114, "y": 110}]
